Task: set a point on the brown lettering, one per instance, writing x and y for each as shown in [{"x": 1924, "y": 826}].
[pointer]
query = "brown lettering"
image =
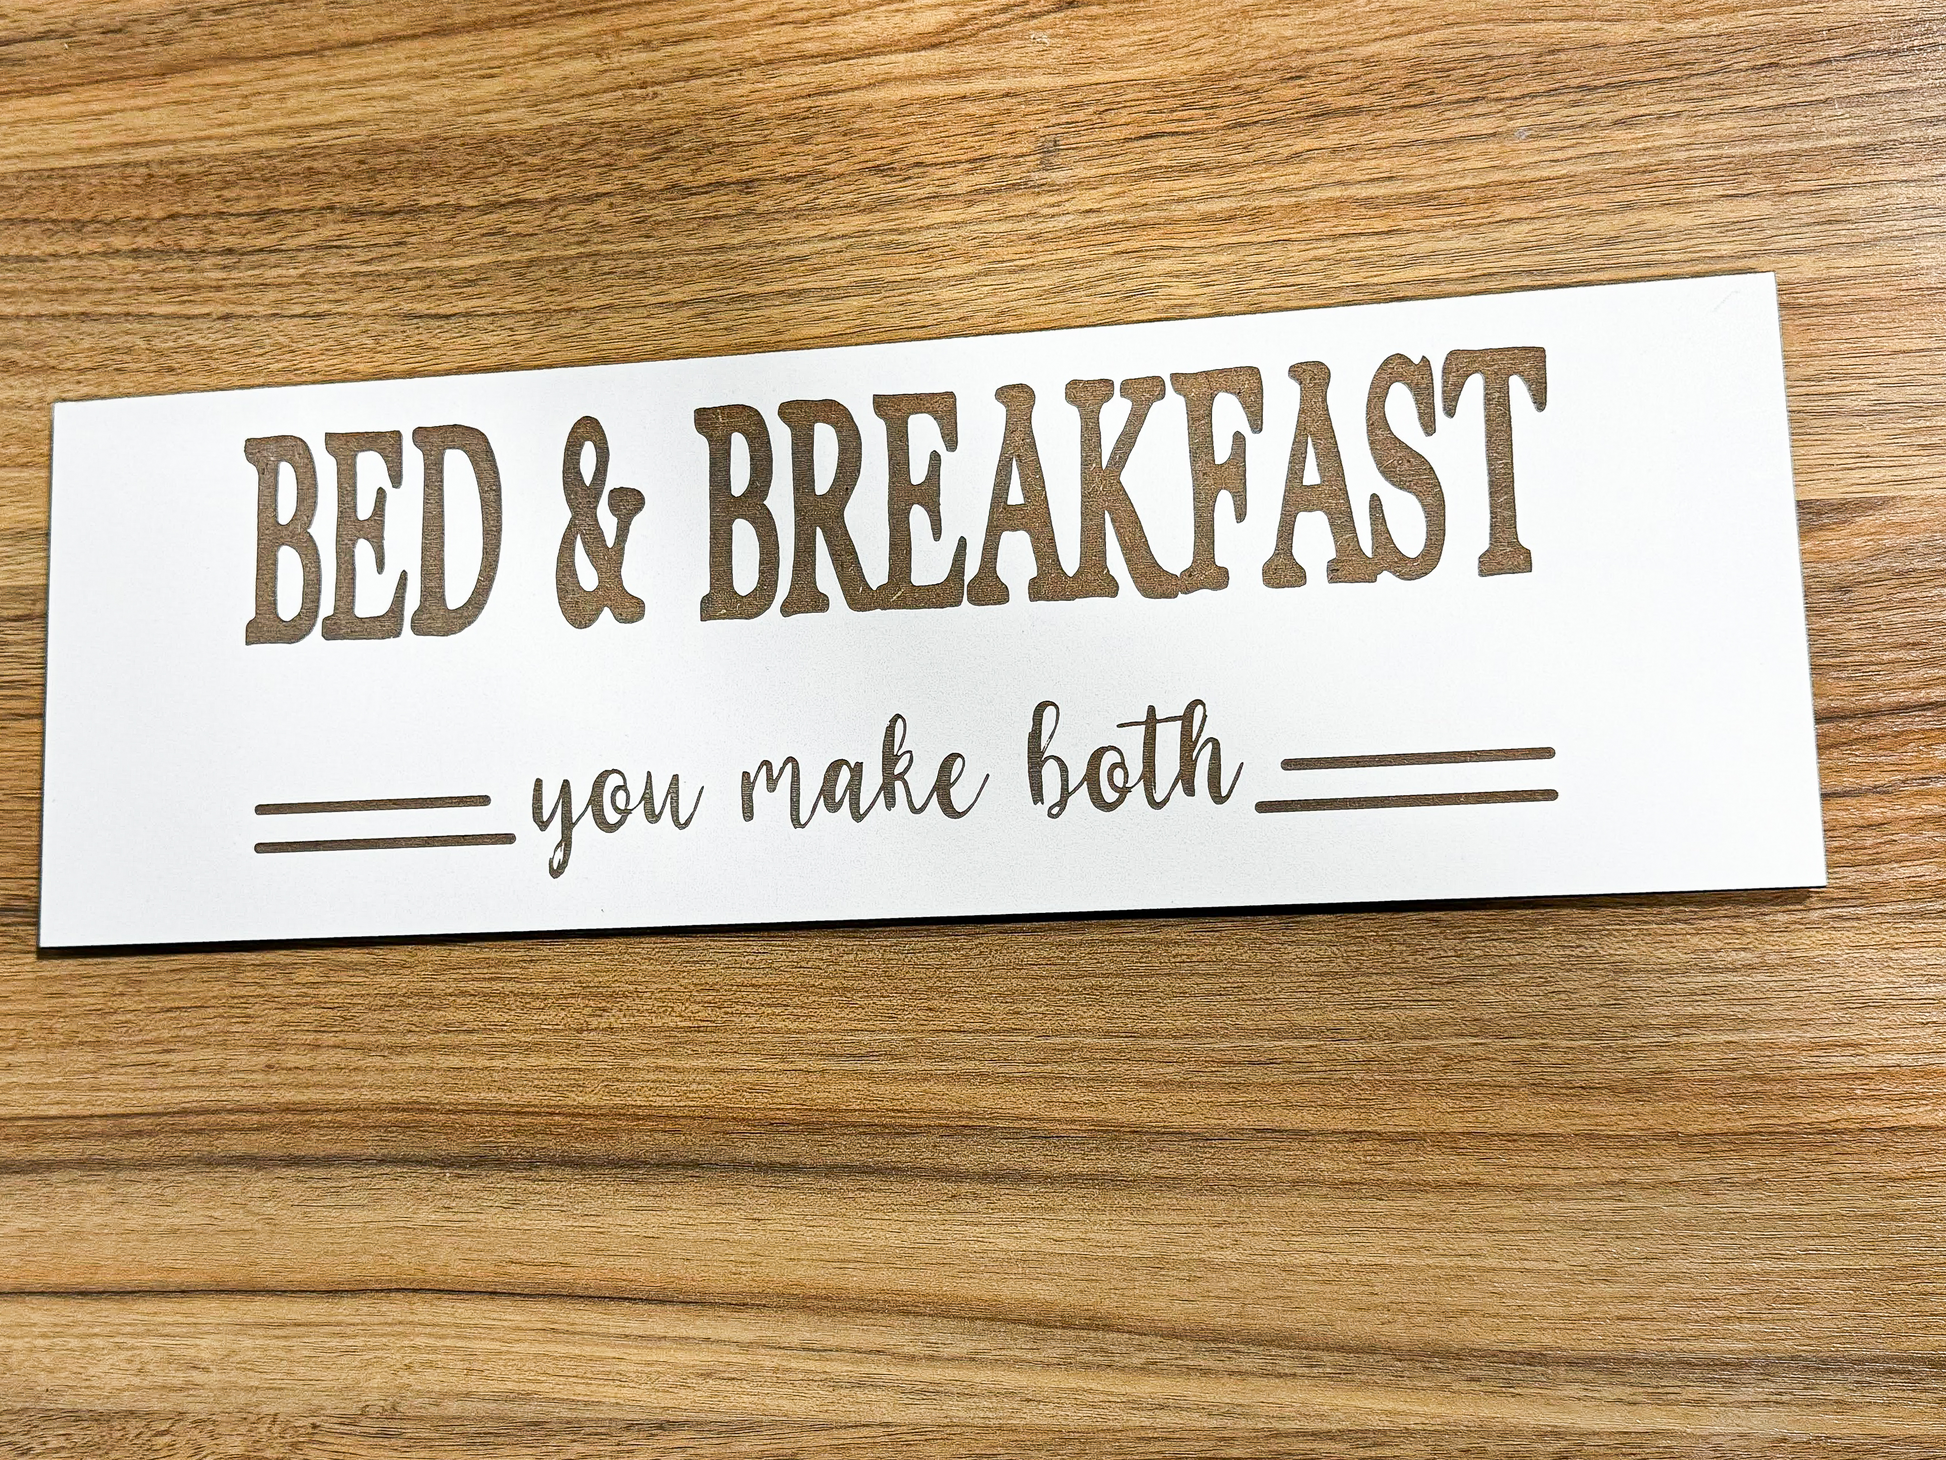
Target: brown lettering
[
  {"x": 434, "y": 617},
  {"x": 610, "y": 803},
  {"x": 844, "y": 789},
  {"x": 1019, "y": 455},
  {"x": 1404, "y": 467},
  {"x": 814, "y": 512},
  {"x": 1497, "y": 369},
  {"x": 1105, "y": 501},
  {"x": 583, "y": 492},
  {"x": 1040, "y": 735},
  {"x": 718, "y": 424},
  {"x": 344, "y": 621},
  {"x": 903, "y": 494},
  {"x": 268, "y": 454},
  {"x": 1208, "y": 477},
  {"x": 773, "y": 777},
  {"x": 1328, "y": 494}
]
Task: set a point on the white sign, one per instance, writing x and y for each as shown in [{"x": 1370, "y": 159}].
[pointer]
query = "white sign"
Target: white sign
[{"x": 1464, "y": 598}]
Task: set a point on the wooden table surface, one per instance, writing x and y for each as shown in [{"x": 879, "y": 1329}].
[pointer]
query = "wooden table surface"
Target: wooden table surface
[{"x": 1648, "y": 1176}]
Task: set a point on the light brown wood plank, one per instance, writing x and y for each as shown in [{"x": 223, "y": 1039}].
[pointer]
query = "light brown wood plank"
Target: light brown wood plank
[
  {"x": 420, "y": 1356},
  {"x": 1369, "y": 1243}
]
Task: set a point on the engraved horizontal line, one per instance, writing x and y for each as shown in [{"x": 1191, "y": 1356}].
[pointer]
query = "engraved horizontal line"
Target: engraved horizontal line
[
  {"x": 381, "y": 803},
  {"x": 1416, "y": 757},
  {"x": 1383, "y": 803},
  {"x": 391, "y": 843}
]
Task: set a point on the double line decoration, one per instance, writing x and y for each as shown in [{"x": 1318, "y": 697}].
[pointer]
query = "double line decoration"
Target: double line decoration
[
  {"x": 1412, "y": 757},
  {"x": 381, "y": 843}
]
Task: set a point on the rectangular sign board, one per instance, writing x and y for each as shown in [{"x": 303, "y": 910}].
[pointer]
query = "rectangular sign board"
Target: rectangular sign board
[{"x": 1480, "y": 597}]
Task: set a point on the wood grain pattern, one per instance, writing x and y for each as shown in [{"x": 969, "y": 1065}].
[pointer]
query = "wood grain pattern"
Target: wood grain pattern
[{"x": 1634, "y": 1176}]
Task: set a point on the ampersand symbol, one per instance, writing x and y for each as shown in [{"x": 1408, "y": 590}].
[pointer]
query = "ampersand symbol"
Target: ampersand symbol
[{"x": 582, "y": 606}]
